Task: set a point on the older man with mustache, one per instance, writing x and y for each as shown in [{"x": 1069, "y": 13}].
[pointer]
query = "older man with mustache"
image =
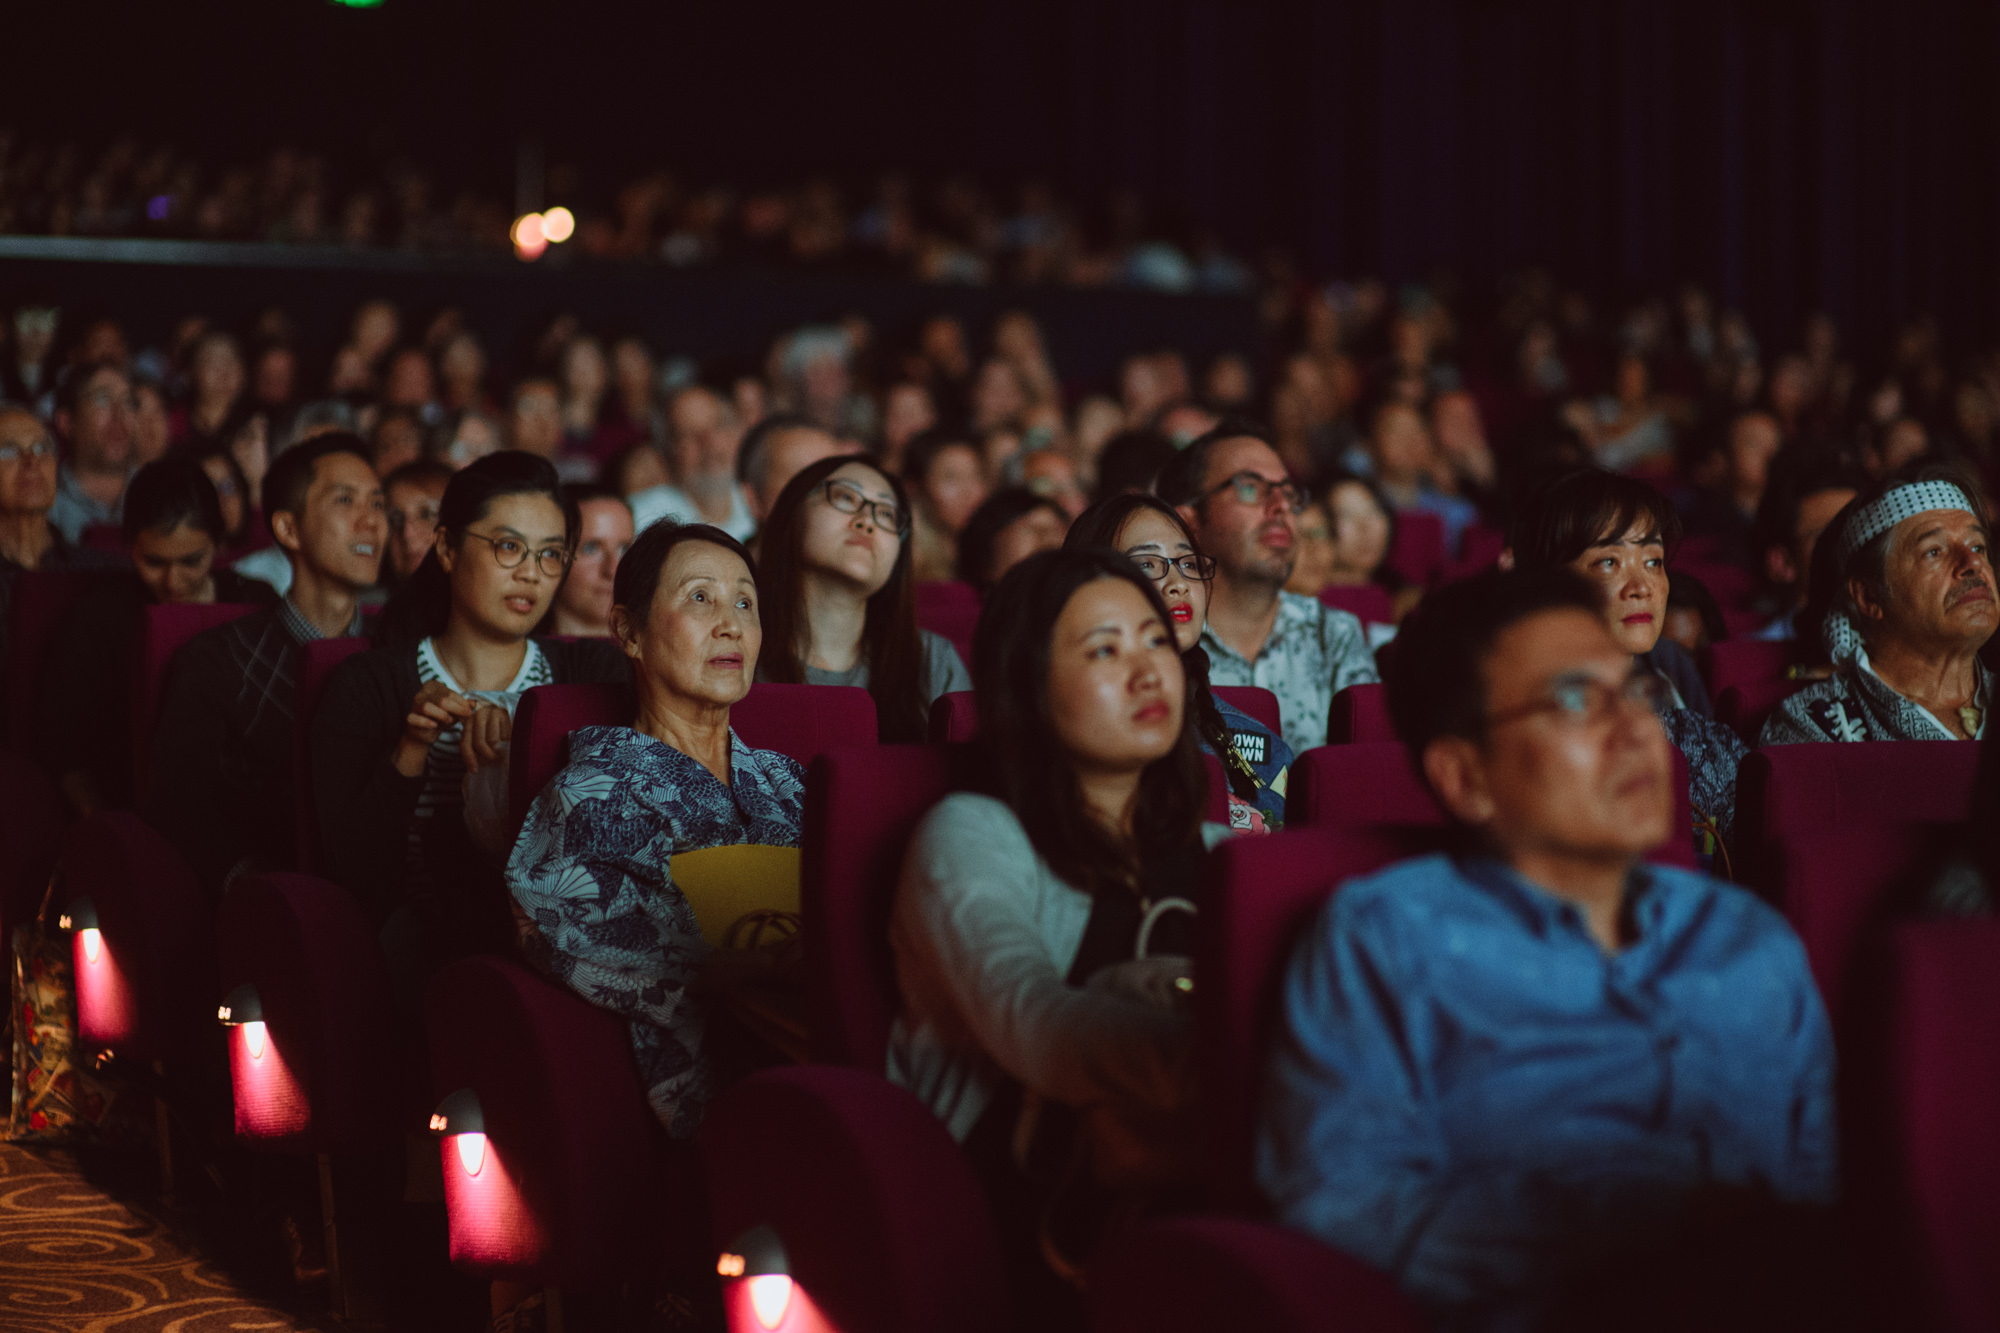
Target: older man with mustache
[{"x": 1904, "y": 594}]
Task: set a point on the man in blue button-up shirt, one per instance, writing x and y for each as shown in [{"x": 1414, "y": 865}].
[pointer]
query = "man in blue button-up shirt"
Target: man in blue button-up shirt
[{"x": 1498, "y": 1072}]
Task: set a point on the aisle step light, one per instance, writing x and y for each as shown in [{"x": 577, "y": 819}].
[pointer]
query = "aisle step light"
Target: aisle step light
[
  {"x": 106, "y": 1010},
  {"x": 82, "y": 918},
  {"x": 759, "y": 1295},
  {"x": 271, "y": 1101},
  {"x": 244, "y": 1008},
  {"x": 459, "y": 1117}
]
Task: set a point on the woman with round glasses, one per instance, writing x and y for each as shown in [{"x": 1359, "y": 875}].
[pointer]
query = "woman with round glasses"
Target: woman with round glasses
[
  {"x": 409, "y": 748},
  {"x": 1255, "y": 761},
  {"x": 1616, "y": 531},
  {"x": 840, "y": 597}
]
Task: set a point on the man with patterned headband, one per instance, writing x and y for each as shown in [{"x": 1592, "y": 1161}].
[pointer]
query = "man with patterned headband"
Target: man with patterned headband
[{"x": 1903, "y": 591}]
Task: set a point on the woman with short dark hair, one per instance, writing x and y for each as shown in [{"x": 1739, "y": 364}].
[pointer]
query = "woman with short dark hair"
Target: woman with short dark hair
[
  {"x": 840, "y": 598},
  {"x": 592, "y": 871}
]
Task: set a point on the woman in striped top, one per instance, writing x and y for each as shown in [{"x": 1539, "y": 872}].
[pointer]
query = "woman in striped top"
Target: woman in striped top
[{"x": 403, "y": 726}]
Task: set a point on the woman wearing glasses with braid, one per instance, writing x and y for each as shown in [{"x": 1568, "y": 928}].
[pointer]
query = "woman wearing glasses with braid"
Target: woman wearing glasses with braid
[
  {"x": 840, "y": 598},
  {"x": 411, "y": 728},
  {"x": 1255, "y": 761}
]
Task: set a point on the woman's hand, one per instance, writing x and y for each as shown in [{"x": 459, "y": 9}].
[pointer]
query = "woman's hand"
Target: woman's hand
[
  {"x": 435, "y": 708},
  {"x": 484, "y": 741}
]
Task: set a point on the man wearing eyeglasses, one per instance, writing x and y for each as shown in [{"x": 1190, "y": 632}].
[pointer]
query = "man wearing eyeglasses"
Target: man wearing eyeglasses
[
  {"x": 1539, "y": 1080},
  {"x": 1234, "y": 492},
  {"x": 27, "y": 490},
  {"x": 95, "y": 412}
]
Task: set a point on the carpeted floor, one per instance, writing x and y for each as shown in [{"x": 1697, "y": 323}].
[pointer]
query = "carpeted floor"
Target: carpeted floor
[{"x": 75, "y": 1260}]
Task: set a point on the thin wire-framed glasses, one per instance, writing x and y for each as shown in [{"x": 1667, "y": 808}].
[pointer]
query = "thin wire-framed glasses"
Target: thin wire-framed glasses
[
  {"x": 42, "y": 448},
  {"x": 1250, "y": 489},
  {"x": 846, "y": 498},
  {"x": 1200, "y": 568},
  {"x": 510, "y": 552}
]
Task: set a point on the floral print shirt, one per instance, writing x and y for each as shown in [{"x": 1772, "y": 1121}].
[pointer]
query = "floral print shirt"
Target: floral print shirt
[
  {"x": 590, "y": 874},
  {"x": 1267, "y": 758},
  {"x": 1314, "y": 652}
]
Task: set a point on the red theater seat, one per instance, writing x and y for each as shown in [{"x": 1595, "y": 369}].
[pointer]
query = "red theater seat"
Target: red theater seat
[
  {"x": 1478, "y": 551},
  {"x": 1418, "y": 554},
  {"x": 1788, "y": 792},
  {"x": 1370, "y": 603},
  {"x": 167, "y": 630},
  {"x": 1255, "y": 700},
  {"x": 39, "y": 599},
  {"x": 1360, "y": 713},
  {"x": 1746, "y": 707},
  {"x": 954, "y": 718},
  {"x": 1364, "y": 784},
  {"x": 1197, "y": 1274},
  {"x": 884, "y": 1226},
  {"x": 1744, "y": 662},
  {"x": 148, "y": 993},
  {"x": 862, "y": 804},
  {"x": 949, "y": 609},
  {"x": 1944, "y": 1087},
  {"x": 803, "y": 721},
  {"x": 571, "y": 1186},
  {"x": 316, "y": 664},
  {"x": 33, "y": 818}
]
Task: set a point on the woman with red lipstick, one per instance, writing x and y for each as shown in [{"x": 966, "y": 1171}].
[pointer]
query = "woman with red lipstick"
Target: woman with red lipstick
[
  {"x": 1617, "y": 532},
  {"x": 839, "y": 596},
  {"x": 1153, "y": 536},
  {"x": 409, "y": 728},
  {"x": 1038, "y": 947}
]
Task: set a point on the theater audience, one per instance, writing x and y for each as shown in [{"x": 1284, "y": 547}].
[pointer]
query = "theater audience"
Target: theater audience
[
  {"x": 1243, "y": 510},
  {"x": 1541, "y": 1064},
  {"x": 1018, "y": 919},
  {"x": 1727, "y": 514},
  {"x": 94, "y": 408},
  {"x": 946, "y": 484},
  {"x": 1902, "y": 593},
  {"x": 592, "y": 872},
  {"x": 27, "y": 490},
  {"x": 405, "y": 724},
  {"x": 604, "y": 534},
  {"x": 1616, "y": 531},
  {"x": 1256, "y": 763},
  {"x": 1404, "y": 464},
  {"x": 1801, "y": 499},
  {"x": 172, "y": 528},
  {"x": 413, "y": 492},
  {"x": 775, "y": 451},
  {"x": 703, "y": 439},
  {"x": 1010, "y": 525},
  {"x": 839, "y": 597},
  {"x": 221, "y": 769}
]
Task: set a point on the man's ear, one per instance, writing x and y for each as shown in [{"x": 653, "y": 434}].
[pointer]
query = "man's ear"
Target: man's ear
[
  {"x": 1456, "y": 771},
  {"x": 1779, "y": 568},
  {"x": 1190, "y": 516},
  {"x": 285, "y": 529},
  {"x": 1864, "y": 603}
]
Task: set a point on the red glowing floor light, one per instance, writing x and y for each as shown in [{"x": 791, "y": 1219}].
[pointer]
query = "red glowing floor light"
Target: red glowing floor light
[
  {"x": 270, "y": 1100},
  {"x": 107, "y": 1013},
  {"x": 758, "y": 1293},
  {"x": 493, "y": 1229}
]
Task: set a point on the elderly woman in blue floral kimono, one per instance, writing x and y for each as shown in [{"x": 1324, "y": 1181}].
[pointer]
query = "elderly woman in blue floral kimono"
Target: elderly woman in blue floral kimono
[{"x": 590, "y": 870}]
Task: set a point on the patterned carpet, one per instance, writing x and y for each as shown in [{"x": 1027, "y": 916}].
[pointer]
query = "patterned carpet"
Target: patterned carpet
[{"x": 75, "y": 1260}]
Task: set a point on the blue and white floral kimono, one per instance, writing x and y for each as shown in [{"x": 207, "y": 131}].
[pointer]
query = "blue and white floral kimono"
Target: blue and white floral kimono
[{"x": 590, "y": 874}]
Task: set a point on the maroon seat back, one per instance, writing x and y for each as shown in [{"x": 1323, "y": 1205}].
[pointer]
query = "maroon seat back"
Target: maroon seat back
[
  {"x": 1360, "y": 714},
  {"x": 1418, "y": 553},
  {"x": 316, "y": 664},
  {"x": 803, "y": 721},
  {"x": 1479, "y": 549},
  {"x": 1746, "y": 707},
  {"x": 1255, "y": 700},
  {"x": 40, "y": 597},
  {"x": 954, "y": 718},
  {"x": 1945, "y": 1090},
  {"x": 862, "y": 804},
  {"x": 570, "y": 1192},
  {"x": 106, "y": 537},
  {"x": 1785, "y": 793},
  {"x": 1195, "y": 1274},
  {"x": 324, "y": 1080},
  {"x": 1745, "y": 662},
  {"x": 33, "y": 818},
  {"x": 157, "y": 996},
  {"x": 1840, "y": 885},
  {"x": 1364, "y": 784},
  {"x": 1730, "y": 585},
  {"x": 949, "y": 609},
  {"x": 165, "y": 632},
  {"x": 1260, "y": 894},
  {"x": 885, "y": 1228},
  {"x": 1370, "y": 603}
]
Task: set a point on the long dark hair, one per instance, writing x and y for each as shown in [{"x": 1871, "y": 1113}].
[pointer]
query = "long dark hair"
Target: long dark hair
[
  {"x": 1098, "y": 527},
  {"x": 422, "y": 606},
  {"x": 890, "y": 643},
  {"x": 1022, "y": 759}
]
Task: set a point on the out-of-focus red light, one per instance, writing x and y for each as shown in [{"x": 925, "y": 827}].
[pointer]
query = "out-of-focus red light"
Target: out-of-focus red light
[
  {"x": 270, "y": 1101},
  {"x": 106, "y": 1012}
]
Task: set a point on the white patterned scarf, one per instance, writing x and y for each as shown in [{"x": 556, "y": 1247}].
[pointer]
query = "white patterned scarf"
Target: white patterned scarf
[{"x": 1843, "y": 640}]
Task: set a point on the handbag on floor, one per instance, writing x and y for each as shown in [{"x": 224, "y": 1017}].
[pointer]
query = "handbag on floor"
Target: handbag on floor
[{"x": 60, "y": 1095}]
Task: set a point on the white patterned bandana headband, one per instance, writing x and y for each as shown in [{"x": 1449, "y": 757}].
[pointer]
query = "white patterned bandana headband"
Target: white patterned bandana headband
[{"x": 1843, "y": 641}]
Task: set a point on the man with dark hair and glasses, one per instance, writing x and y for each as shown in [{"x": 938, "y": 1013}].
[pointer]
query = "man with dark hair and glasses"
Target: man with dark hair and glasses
[
  {"x": 28, "y": 540},
  {"x": 1235, "y": 494},
  {"x": 1537, "y": 1079}
]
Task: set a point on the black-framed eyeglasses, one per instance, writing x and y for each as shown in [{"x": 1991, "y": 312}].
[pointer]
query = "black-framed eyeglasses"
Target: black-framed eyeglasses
[
  {"x": 1582, "y": 700},
  {"x": 1200, "y": 568},
  {"x": 42, "y": 448},
  {"x": 1250, "y": 489},
  {"x": 846, "y": 498},
  {"x": 510, "y": 552}
]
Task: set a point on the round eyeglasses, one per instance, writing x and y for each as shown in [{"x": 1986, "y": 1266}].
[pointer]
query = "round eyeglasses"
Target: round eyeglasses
[
  {"x": 1200, "y": 568},
  {"x": 847, "y": 498},
  {"x": 510, "y": 552}
]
